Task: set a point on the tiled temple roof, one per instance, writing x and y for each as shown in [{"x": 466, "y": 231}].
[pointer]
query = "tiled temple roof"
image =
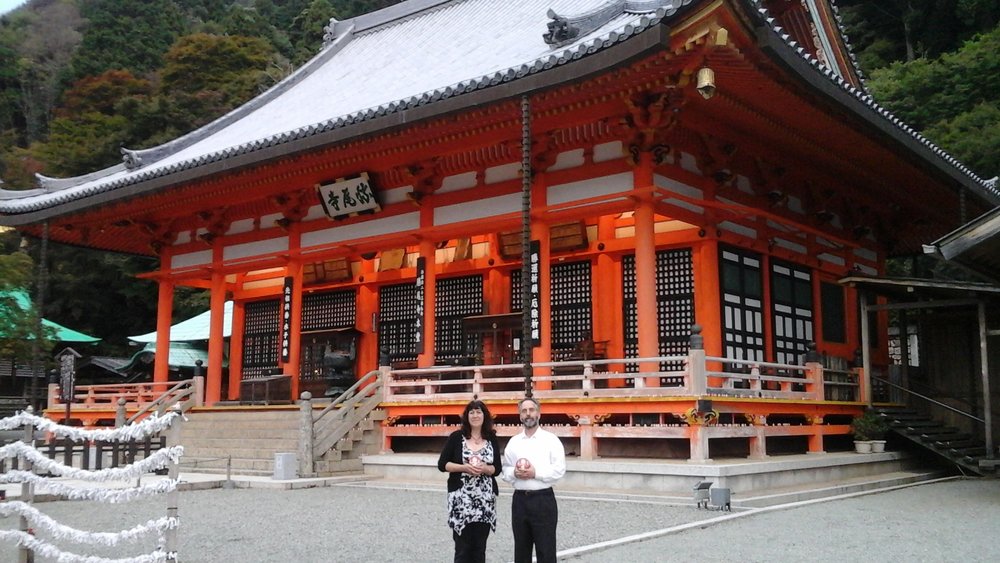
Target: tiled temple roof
[{"x": 415, "y": 54}]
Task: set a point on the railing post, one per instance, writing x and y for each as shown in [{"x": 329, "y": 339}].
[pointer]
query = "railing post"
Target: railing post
[
  {"x": 814, "y": 372},
  {"x": 588, "y": 384},
  {"x": 306, "y": 437},
  {"x": 755, "y": 383},
  {"x": 53, "y": 396},
  {"x": 477, "y": 382},
  {"x": 173, "y": 497},
  {"x": 697, "y": 371},
  {"x": 588, "y": 446},
  {"x": 387, "y": 390},
  {"x": 121, "y": 414},
  {"x": 199, "y": 390}
]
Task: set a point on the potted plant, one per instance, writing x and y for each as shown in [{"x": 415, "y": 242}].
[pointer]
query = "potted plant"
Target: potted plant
[{"x": 869, "y": 433}]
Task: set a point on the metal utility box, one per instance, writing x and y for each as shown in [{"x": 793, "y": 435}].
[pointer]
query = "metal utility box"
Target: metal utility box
[
  {"x": 285, "y": 466},
  {"x": 721, "y": 498},
  {"x": 701, "y": 494}
]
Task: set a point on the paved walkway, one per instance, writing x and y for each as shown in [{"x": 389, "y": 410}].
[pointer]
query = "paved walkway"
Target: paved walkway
[{"x": 340, "y": 520}]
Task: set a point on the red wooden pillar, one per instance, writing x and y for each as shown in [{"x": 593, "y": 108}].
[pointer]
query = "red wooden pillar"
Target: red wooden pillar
[
  {"x": 540, "y": 232},
  {"x": 236, "y": 351},
  {"x": 428, "y": 251},
  {"x": 164, "y": 316},
  {"x": 294, "y": 270},
  {"x": 645, "y": 270},
  {"x": 217, "y": 300},
  {"x": 367, "y": 307},
  {"x": 708, "y": 294}
]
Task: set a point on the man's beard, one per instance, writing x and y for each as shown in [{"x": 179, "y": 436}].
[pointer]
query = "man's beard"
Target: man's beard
[{"x": 529, "y": 422}]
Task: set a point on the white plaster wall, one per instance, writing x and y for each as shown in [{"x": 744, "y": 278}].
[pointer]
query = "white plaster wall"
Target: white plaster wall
[
  {"x": 591, "y": 187},
  {"x": 256, "y": 248},
  {"x": 192, "y": 259},
  {"x": 365, "y": 229},
  {"x": 479, "y": 209}
]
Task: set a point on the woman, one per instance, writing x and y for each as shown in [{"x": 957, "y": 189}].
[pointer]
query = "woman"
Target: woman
[{"x": 472, "y": 459}]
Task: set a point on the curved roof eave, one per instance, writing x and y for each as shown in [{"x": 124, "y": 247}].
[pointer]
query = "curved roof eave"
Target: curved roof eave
[{"x": 798, "y": 61}]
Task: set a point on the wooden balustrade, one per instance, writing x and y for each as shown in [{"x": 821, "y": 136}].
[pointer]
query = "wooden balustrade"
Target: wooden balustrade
[
  {"x": 606, "y": 378},
  {"x": 94, "y": 405}
]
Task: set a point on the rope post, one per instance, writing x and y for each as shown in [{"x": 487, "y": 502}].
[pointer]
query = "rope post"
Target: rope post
[
  {"x": 25, "y": 555},
  {"x": 306, "y": 435},
  {"x": 173, "y": 497}
]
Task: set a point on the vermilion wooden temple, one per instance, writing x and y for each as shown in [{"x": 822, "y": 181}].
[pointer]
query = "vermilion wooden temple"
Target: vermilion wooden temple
[{"x": 713, "y": 163}]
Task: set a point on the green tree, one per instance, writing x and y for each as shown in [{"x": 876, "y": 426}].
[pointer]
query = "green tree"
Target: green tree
[
  {"x": 887, "y": 31},
  {"x": 308, "y": 28},
  {"x": 123, "y": 34},
  {"x": 86, "y": 143},
  {"x": 18, "y": 325},
  {"x": 954, "y": 100},
  {"x": 972, "y": 137},
  {"x": 231, "y": 64}
]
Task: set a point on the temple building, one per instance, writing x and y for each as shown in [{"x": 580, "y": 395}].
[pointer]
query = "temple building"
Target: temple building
[{"x": 673, "y": 163}]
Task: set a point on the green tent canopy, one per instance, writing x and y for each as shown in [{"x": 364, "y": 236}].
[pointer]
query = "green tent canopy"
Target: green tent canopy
[{"x": 62, "y": 334}]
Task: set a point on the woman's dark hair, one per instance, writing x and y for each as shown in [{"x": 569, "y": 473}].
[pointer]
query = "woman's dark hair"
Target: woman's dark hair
[{"x": 488, "y": 432}]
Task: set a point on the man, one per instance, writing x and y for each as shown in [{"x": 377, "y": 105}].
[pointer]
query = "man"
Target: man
[{"x": 533, "y": 461}]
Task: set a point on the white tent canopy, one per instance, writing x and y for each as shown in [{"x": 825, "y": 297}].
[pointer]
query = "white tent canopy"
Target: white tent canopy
[{"x": 195, "y": 328}]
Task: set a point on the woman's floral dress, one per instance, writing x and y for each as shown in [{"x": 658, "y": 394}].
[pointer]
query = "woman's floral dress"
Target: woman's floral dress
[{"x": 475, "y": 500}]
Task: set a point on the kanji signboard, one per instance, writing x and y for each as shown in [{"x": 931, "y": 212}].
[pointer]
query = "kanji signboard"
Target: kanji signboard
[{"x": 348, "y": 197}]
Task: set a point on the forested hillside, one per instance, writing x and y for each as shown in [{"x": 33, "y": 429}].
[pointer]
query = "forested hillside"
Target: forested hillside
[{"x": 81, "y": 78}]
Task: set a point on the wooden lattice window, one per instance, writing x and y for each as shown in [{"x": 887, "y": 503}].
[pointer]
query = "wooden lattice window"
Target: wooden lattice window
[
  {"x": 331, "y": 309},
  {"x": 455, "y": 299},
  {"x": 321, "y": 313},
  {"x": 398, "y": 321},
  {"x": 792, "y": 311},
  {"x": 742, "y": 305},
  {"x": 570, "y": 306},
  {"x": 674, "y": 307},
  {"x": 260, "y": 338}
]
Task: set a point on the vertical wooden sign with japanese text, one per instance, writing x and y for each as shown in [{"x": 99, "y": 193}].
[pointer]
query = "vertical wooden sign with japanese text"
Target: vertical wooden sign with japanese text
[
  {"x": 286, "y": 319},
  {"x": 534, "y": 283},
  {"x": 420, "y": 292}
]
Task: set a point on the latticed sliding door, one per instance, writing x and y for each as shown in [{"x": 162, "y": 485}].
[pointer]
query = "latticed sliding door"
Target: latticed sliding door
[
  {"x": 674, "y": 307},
  {"x": 323, "y": 316},
  {"x": 455, "y": 299},
  {"x": 260, "y": 338},
  {"x": 742, "y": 305},
  {"x": 792, "y": 311},
  {"x": 397, "y": 305},
  {"x": 570, "y": 305}
]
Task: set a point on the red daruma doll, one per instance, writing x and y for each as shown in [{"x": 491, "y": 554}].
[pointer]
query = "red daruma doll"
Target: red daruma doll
[
  {"x": 523, "y": 464},
  {"x": 475, "y": 461}
]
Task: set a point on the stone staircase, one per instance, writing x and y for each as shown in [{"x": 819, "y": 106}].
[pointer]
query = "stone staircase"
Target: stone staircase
[
  {"x": 247, "y": 440},
  {"x": 963, "y": 450},
  {"x": 364, "y": 439}
]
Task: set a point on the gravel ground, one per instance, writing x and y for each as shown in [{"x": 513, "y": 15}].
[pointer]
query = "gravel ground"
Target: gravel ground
[{"x": 944, "y": 521}]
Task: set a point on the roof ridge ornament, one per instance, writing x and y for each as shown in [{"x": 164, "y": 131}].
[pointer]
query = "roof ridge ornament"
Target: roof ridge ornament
[
  {"x": 330, "y": 31},
  {"x": 565, "y": 29},
  {"x": 132, "y": 159}
]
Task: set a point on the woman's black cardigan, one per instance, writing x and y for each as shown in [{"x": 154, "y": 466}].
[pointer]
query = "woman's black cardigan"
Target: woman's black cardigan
[{"x": 453, "y": 452}]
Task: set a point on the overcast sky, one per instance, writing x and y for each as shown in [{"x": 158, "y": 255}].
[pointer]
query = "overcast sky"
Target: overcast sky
[{"x": 8, "y": 5}]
